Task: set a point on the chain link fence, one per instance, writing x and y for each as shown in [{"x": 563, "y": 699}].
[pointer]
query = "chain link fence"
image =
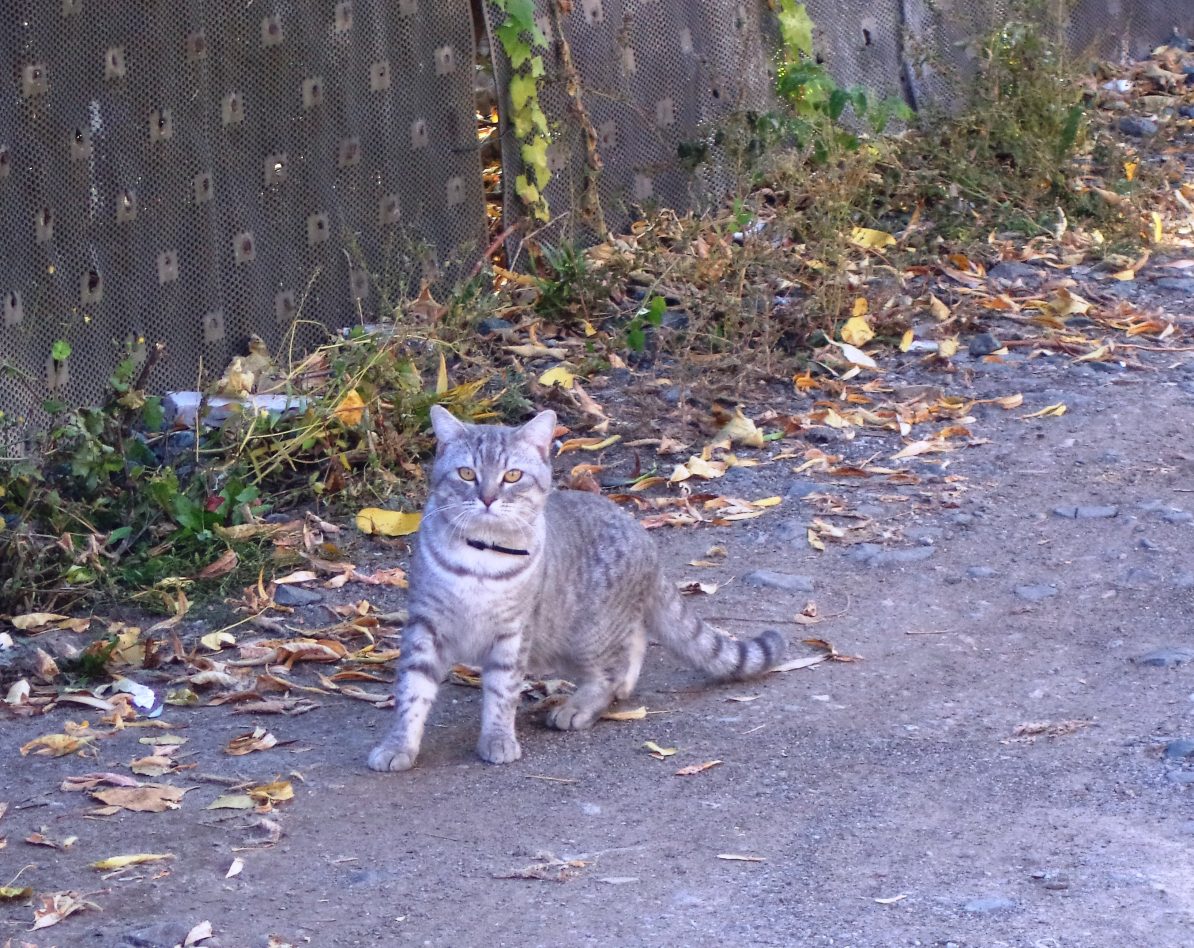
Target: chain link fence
[{"x": 194, "y": 173}]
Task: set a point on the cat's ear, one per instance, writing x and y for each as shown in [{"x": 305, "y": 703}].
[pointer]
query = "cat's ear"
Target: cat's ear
[
  {"x": 538, "y": 432},
  {"x": 445, "y": 425}
]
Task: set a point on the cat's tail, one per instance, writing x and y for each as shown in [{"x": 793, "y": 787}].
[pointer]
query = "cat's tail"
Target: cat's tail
[{"x": 705, "y": 648}]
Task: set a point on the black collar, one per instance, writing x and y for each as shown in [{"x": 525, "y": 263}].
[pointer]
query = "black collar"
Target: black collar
[{"x": 482, "y": 545}]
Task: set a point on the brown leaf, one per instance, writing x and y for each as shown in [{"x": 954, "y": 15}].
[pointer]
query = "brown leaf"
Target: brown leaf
[
  {"x": 147, "y": 798},
  {"x": 256, "y": 740},
  {"x": 55, "y": 906},
  {"x": 692, "y": 769},
  {"x": 227, "y": 562}
]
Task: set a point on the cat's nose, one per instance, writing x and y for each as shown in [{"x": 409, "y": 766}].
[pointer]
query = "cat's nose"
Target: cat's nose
[{"x": 488, "y": 499}]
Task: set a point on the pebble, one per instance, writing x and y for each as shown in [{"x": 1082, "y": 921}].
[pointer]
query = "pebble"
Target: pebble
[
  {"x": 1138, "y": 576},
  {"x": 1013, "y": 271},
  {"x": 788, "y": 582},
  {"x": 160, "y": 935},
  {"x": 1180, "y": 284},
  {"x": 1147, "y": 544},
  {"x": 1138, "y": 127},
  {"x": 981, "y": 572},
  {"x": 990, "y": 903},
  {"x": 983, "y": 344},
  {"x": 494, "y": 326},
  {"x": 1179, "y": 750},
  {"x": 871, "y": 554},
  {"x": 1036, "y": 593},
  {"x": 1168, "y": 657},
  {"x": 1186, "y": 111},
  {"x": 963, "y": 519},
  {"x": 1086, "y": 513},
  {"x": 1177, "y": 516},
  {"x": 288, "y": 595}
]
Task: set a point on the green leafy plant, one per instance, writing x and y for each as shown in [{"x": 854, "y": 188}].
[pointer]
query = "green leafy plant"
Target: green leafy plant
[
  {"x": 649, "y": 314},
  {"x": 521, "y": 39}
]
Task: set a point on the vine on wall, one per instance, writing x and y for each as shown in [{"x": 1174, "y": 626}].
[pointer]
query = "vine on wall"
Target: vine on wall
[{"x": 523, "y": 41}]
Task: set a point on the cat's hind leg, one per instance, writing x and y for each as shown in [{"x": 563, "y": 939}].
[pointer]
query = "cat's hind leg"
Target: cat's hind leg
[{"x": 613, "y": 677}]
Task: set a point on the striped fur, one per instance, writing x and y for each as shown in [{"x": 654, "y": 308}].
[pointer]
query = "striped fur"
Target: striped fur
[{"x": 521, "y": 579}]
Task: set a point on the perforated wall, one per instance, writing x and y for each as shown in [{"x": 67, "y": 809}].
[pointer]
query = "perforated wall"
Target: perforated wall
[{"x": 195, "y": 172}]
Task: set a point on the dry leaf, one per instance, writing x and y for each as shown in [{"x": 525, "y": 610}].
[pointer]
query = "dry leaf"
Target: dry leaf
[
  {"x": 217, "y": 640},
  {"x": 870, "y": 239},
  {"x": 1050, "y": 411},
  {"x": 235, "y": 869},
  {"x": 55, "y": 745},
  {"x": 227, "y": 562},
  {"x": 557, "y": 375},
  {"x": 736, "y": 857},
  {"x": 387, "y": 523},
  {"x": 299, "y": 576},
  {"x": 200, "y": 932},
  {"x": 120, "y": 862},
  {"x": 55, "y": 906},
  {"x": 256, "y": 740},
  {"x": 739, "y": 429},
  {"x": 37, "y": 621},
  {"x": 350, "y": 409},
  {"x": 659, "y": 753},
  {"x": 857, "y": 331},
  {"x": 147, "y": 798},
  {"x": 893, "y": 899},
  {"x": 231, "y": 801},
  {"x": 47, "y": 668},
  {"x": 692, "y": 769},
  {"x": 634, "y": 714}
]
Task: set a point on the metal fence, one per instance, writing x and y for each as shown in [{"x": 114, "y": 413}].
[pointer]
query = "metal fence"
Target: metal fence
[{"x": 192, "y": 173}]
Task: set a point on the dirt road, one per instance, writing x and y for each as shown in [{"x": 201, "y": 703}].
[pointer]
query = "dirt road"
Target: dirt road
[{"x": 1007, "y": 764}]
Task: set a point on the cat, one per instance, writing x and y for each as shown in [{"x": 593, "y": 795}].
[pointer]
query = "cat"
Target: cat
[{"x": 519, "y": 578}]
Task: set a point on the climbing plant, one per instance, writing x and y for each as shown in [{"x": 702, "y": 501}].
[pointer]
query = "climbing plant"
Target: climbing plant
[{"x": 522, "y": 41}]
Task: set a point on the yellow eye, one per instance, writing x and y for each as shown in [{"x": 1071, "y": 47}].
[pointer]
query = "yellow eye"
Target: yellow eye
[
  {"x": 466, "y": 473},
  {"x": 512, "y": 477}
]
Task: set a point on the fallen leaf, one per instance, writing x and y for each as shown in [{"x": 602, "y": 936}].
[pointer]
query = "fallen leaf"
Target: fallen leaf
[
  {"x": 739, "y": 429},
  {"x": 37, "y": 839},
  {"x": 659, "y": 753},
  {"x": 893, "y": 899},
  {"x": 870, "y": 239},
  {"x": 692, "y": 769},
  {"x": 350, "y": 409},
  {"x": 55, "y": 745},
  {"x": 857, "y": 331},
  {"x": 235, "y": 869},
  {"x": 856, "y": 356},
  {"x": 148, "y": 798},
  {"x": 227, "y": 562},
  {"x": 558, "y": 375},
  {"x": 47, "y": 668},
  {"x": 231, "y": 801},
  {"x": 36, "y": 621},
  {"x": 152, "y": 766},
  {"x": 634, "y": 714},
  {"x": 268, "y": 794},
  {"x": 11, "y": 893},
  {"x": 256, "y": 740},
  {"x": 1050, "y": 411},
  {"x": 217, "y": 640},
  {"x": 200, "y": 932},
  {"x": 55, "y": 906},
  {"x": 299, "y": 576},
  {"x": 120, "y": 862},
  {"x": 736, "y": 857},
  {"x": 387, "y": 523}
]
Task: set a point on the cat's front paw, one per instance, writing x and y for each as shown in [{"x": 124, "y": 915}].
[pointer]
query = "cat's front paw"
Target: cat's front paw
[
  {"x": 389, "y": 757},
  {"x": 499, "y": 748}
]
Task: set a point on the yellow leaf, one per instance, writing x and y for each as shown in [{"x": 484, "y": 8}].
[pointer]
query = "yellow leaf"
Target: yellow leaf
[
  {"x": 441, "y": 377},
  {"x": 1065, "y": 303},
  {"x": 814, "y": 540},
  {"x": 275, "y": 792},
  {"x": 1052, "y": 411},
  {"x": 1158, "y": 228},
  {"x": 768, "y": 502},
  {"x": 948, "y": 348},
  {"x": 387, "y": 523},
  {"x": 351, "y": 408},
  {"x": 857, "y": 331},
  {"x": 740, "y": 430},
  {"x": 871, "y": 239},
  {"x": 634, "y": 714},
  {"x": 232, "y": 801},
  {"x": 736, "y": 857},
  {"x": 860, "y": 306},
  {"x": 217, "y": 640},
  {"x": 55, "y": 745},
  {"x": 557, "y": 375},
  {"x": 12, "y": 893},
  {"x": 659, "y": 753},
  {"x": 36, "y": 621},
  {"x": 939, "y": 310},
  {"x": 1008, "y": 402},
  {"x": 1130, "y": 169},
  {"x": 120, "y": 862},
  {"x": 906, "y": 340}
]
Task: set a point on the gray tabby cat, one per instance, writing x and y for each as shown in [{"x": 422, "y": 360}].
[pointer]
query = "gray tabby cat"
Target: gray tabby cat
[{"x": 519, "y": 579}]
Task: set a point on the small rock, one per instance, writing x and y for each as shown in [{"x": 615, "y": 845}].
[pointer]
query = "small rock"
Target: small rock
[
  {"x": 802, "y": 488},
  {"x": 1011, "y": 272},
  {"x": 1177, "y": 516},
  {"x": 288, "y": 595},
  {"x": 963, "y": 519},
  {"x": 494, "y": 327},
  {"x": 1186, "y": 111},
  {"x": 990, "y": 903},
  {"x": 983, "y": 345},
  {"x": 788, "y": 582},
  {"x": 1147, "y": 544},
  {"x": 161, "y": 935},
  {"x": 1138, "y": 576},
  {"x": 1138, "y": 127},
  {"x": 591, "y": 809},
  {"x": 1180, "y": 284},
  {"x": 981, "y": 572},
  {"x": 1184, "y": 581},
  {"x": 1179, "y": 750},
  {"x": 1168, "y": 657},
  {"x": 671, "y": 395},
  {"x": 1183, "y": 777},
  {"x": 1086, "y": 513},
  {"x": 1036, "y": 593},
  {"x": 675, "y": 319},
  {"x": 872, "y": 554}
]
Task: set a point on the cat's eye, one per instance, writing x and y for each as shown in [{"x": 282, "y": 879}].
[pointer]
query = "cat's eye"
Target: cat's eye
[
  {"x": 512, "y": 477},
  {"x": 466, "y": 473}
]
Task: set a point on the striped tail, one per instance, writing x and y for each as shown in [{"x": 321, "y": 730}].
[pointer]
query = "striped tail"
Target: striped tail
[{"x": 706, "y": 649}]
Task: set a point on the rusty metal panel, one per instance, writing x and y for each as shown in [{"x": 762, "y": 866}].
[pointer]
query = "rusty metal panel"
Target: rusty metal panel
[{"x": 195, "y": 172}]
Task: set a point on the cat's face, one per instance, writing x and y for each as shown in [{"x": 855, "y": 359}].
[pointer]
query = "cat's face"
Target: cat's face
[{"x": 491, "y": 477}]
